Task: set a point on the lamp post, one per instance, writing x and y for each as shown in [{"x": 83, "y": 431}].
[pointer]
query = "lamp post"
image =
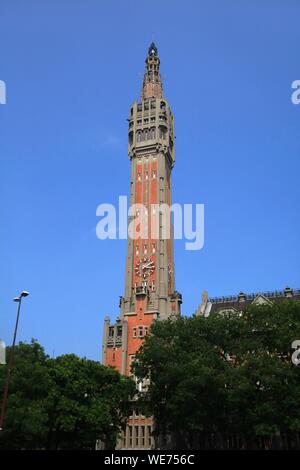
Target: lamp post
[{"x": 24, "y": 293}]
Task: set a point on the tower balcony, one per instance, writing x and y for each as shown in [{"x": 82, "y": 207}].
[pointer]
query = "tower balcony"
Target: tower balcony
[{"x": 141, "y": 290}]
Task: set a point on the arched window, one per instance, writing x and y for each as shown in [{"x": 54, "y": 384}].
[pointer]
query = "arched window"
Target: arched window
[
  {"x": 146, "y": 134},
  {"x": 130, "y": 138},
  {"x": 162, "y": 133},
  {"x": 153, "y": 133},
  {"x": 139, "y": 136}
]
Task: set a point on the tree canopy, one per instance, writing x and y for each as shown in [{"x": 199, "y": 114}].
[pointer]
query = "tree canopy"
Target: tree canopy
[
  {"x": 224, "y": 378},
  {"x": 62, "y": 403}
]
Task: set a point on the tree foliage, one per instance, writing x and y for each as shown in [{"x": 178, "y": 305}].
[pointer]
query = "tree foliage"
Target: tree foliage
[
  {"x": 62, "y": 403},
  {"x": 224, "y": 375}
]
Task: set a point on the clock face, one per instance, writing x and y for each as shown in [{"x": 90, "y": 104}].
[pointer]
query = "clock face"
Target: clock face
[{"x": 145, "y": 267}]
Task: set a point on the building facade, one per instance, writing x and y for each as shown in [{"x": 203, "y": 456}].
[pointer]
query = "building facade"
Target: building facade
[
  {"x": 149, "y": 292},
  {"x": 237, "y": 303}
]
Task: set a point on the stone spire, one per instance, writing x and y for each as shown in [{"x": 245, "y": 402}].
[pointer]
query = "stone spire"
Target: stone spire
[{"x": 152, "y": 84}]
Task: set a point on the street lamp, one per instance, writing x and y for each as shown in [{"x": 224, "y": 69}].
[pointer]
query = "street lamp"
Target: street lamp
[{"x": 24, "y": 293}]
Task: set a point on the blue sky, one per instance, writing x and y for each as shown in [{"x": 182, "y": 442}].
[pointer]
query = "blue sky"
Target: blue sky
[{"x": 72, "y": 70}]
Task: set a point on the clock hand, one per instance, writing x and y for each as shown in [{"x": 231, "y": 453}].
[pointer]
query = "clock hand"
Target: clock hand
[{"x": 148, "y": 265}]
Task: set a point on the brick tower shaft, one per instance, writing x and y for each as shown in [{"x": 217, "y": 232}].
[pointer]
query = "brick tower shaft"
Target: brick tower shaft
[{"x": 149, "y": 292}]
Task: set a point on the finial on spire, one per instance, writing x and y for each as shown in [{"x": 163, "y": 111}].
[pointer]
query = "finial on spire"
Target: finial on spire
[{"x": 152, "y": 49}]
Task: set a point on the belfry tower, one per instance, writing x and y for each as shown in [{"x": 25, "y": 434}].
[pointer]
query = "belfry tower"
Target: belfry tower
[{"x": 149, "y": 282}]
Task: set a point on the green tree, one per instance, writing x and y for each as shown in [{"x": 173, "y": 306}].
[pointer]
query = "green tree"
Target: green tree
[
  {"x": 25, "y": 421},
  {"x": 62, "y": 403},
  {"x": 224, "y": 376},
  {"x": 86, "y": 401}
]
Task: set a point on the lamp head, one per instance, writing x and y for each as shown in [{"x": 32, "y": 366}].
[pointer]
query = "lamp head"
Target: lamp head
[{"x": 24, "y": 293}]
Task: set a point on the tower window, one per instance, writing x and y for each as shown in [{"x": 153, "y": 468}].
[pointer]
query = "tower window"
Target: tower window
[
  {"x": 119, "y": 331},
  {"x": 143, "y": 436},
  {"x": 111, "y": 332},
  {"x": 146, "y": 134},
  {"x": 141, "y": 331},
  {"x": 153, "y": 133},
  {"x": 136, "y": 435},
  {"x": 134, "y": 332},
  {"x": 162, "y": 133},
  {"x": 130, "y": 138},
  {"x": 149, "y": 435},
  {"x": 139, "y": 136}
]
